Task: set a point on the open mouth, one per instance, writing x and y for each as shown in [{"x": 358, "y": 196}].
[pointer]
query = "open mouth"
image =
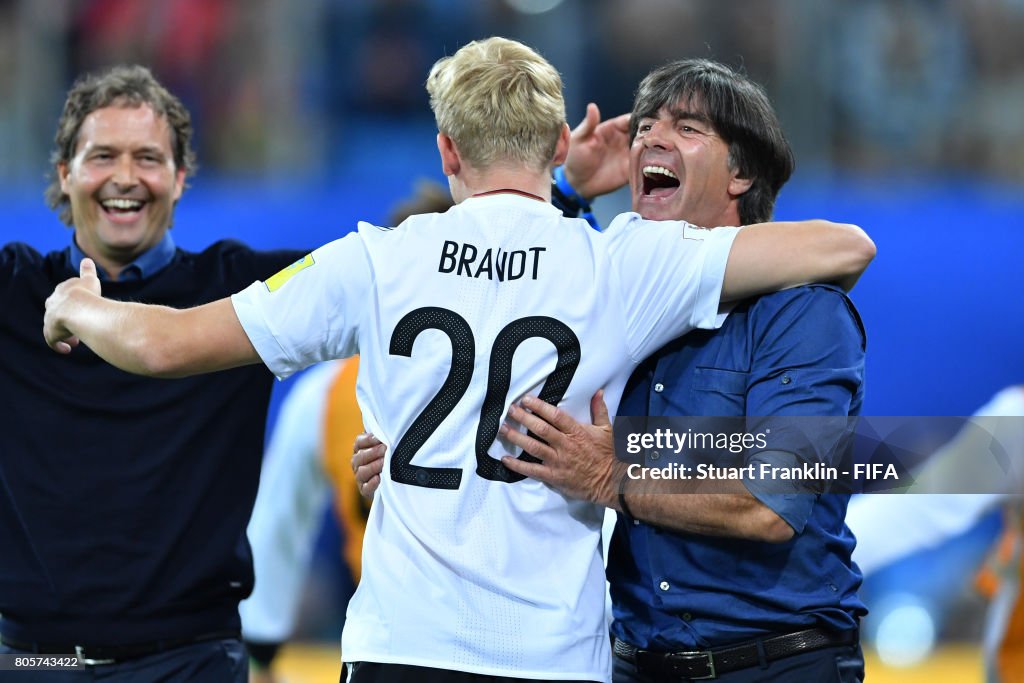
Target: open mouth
[
  {"x": 118, "y": 206},
  {"x": 659, "y": 181}
]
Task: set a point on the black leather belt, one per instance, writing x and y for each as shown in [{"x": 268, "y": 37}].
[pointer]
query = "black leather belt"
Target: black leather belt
[
  {"x": 111, "y": 654},
  {"x": 708, "y": 664}
]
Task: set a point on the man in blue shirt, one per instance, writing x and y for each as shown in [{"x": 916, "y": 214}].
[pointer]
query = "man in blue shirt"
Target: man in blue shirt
[{"x": 751, "y": 585}]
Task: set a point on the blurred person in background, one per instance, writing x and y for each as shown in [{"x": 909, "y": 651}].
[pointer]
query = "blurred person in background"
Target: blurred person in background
[
  {"x": 124, "y": 499},
  {"x": 892, "y": 527},
  {"x": 756, "y": 585},
  {"x": 307, "y": 463},
  {"x": 415, "y": 614},
  {"x": 303, "y": 471}
]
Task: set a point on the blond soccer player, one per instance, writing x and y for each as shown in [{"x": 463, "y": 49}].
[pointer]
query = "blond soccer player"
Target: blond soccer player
[{"x": 468, "y": 567}]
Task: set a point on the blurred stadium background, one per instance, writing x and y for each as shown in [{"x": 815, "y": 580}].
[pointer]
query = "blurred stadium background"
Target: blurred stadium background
[{"x": 906, "y": 116}]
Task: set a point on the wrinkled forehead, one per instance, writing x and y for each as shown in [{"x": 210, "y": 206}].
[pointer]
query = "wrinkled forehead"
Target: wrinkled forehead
[{"x": 124, "y": 124}]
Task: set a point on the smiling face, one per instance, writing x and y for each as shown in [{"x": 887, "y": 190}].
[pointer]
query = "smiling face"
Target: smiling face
[
  {"x": 680, "y": 169},
  {"x": 122, "y": 183}
]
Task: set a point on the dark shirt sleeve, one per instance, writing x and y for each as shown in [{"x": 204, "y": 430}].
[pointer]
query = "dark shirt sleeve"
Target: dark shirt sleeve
[
  {"x": 244, "y": 265},
  {"x": 808, "y": 361},
  {"x": 9, "y": 262},
  {"x": 266, "y": 263},
  {"x": 6, "y": 266}
]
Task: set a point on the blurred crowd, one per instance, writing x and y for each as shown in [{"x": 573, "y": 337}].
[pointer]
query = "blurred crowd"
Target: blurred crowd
[{"x": 883, "y": 86}]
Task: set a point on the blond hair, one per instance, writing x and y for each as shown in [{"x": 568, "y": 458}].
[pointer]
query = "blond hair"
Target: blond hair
[{"x": 500, "y": 102}]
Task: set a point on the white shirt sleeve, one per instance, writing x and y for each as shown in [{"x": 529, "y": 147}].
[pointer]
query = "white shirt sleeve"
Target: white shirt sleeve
[
  {"x": 289, "y": 508},
  {"x": 892, "y": 527},
  {"x": 312, "y": 310},
  {"x": 671, "y": 275}
]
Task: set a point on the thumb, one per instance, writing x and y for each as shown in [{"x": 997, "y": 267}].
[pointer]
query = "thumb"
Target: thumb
[
  {"x": 599, "y": 410},
  {"x": 87, "y": 272},
  {"x": 589, "y": 122},
  {"x": 87, "y": 269}
]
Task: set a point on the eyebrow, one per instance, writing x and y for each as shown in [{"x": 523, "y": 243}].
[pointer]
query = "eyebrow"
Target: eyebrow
[
  {"x": 680, "y": 114},
  {"x": 145, "y": 149},
  {"x": 687, "y": 115}
]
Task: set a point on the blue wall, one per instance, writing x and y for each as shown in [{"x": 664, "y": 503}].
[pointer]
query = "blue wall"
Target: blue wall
[{"x": 943, "y": 302}]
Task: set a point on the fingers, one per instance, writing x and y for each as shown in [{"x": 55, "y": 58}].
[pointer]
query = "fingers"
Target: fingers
[
  {"x": 368, "y": 463},
  {"x": 614, "y": 130},
  {"x": 599, "y": 410},
  {"x": 368, "y": 473},
  {"x": 527, "y": 469},
  {"x": 368, "y": 488},
  {"x": 372, "y": 457},
  {"x": 57, "y": 342},
  {"x": 620, "y": 123},
  {"x": 554, "y": 415},
  {"x": 536, "y": 423},
  {"x": 533, "y": 446},
  {"x": 365, "y": 440}
]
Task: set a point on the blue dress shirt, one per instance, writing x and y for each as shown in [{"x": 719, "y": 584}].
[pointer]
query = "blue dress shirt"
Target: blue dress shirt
[
  {"x": 148, "y": 264},
  {"x": 796, "y": 352}
]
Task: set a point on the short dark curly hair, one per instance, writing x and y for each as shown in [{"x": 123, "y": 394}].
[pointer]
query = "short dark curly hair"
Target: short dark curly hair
[{"x": 125, "y": 85}]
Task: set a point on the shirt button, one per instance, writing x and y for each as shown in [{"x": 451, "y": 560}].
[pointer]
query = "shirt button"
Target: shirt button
[
  {"x": 687, "y": 616},
  {"x": 663, "y": 585},
  {"x": 786, "y": 379},
  {"x": 655, "y": 455},
  {"x": 659, "y": 387}
]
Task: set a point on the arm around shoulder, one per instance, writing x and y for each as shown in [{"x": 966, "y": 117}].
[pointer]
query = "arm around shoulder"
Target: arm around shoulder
[
  {"x": 145, "y": 339},
  {"x": 771, "y": 256},
  {"x": 193, "y": 341}
]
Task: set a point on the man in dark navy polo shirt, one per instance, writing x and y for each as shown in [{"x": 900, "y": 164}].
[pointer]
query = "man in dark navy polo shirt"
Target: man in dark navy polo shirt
[
  {"x": 124, "y": 499},
  {"x": 752, "y": 585}
]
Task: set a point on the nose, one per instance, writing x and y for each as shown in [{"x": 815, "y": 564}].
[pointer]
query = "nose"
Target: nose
[
  {"x": 655, "y": 137},
  {"x": 124, "y": 172}
]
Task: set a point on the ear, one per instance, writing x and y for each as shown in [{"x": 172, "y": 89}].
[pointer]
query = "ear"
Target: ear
[
  {"x": 738, "y": 186},
  {"x": 62, "y": 175},
  {"x": 562, "y": 146},
  {"x": 179, "y": 183},
  {"x": 451, "y": 163}
]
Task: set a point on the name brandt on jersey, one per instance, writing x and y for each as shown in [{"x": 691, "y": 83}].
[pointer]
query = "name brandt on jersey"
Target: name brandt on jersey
[{"x": 466, "y": 259}]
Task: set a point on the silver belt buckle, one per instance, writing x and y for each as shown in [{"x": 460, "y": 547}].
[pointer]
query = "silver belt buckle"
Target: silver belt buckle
[
  {"x": 711, "y": 665},
  {"x": 82, "y": 659}
]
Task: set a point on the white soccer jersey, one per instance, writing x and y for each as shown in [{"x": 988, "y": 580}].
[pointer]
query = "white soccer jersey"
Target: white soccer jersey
[{"x": 467, "y": 566}]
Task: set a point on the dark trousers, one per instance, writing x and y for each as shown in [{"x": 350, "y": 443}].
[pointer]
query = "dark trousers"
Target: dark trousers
[
  {"x": 212, "y": 661},
  {"x": 372, "y": 672},
  {"x": 842, "y": 664}
]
